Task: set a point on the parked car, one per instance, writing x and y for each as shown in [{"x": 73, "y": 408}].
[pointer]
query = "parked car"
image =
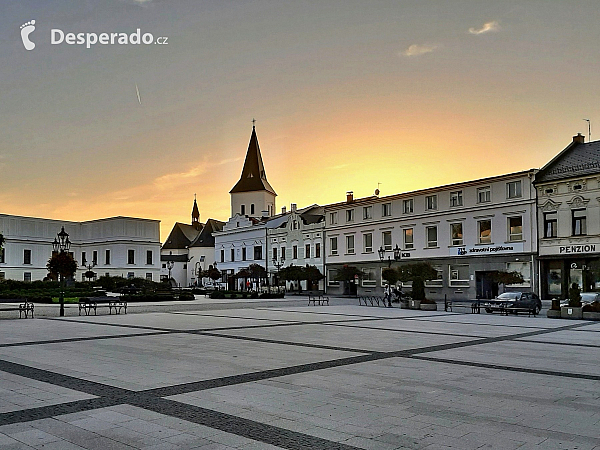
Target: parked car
[
  {"x": 586, "y": 298},
  {"x": 508, "y": 299}
]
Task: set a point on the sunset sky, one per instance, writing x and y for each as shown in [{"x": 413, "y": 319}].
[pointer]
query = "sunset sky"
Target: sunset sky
[{"x": 346, "y": 94}]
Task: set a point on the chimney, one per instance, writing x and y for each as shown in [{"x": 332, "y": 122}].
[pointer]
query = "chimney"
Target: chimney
[
  {"x": 579, "y": 139},
  {"x": 283, "y": 210},
  {"x": 293, "y": 207},
  {"x": 349, "y": 197}
]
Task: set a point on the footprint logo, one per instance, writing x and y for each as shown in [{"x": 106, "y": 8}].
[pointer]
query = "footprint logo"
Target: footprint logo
[{"x": 26, "y": 29}]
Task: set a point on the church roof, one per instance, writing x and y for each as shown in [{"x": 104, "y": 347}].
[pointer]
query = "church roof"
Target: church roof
[
  {"x": 181, "y": 236},
  {"x": 254, "y": 177},
  {"x": 578, "y": 159},
  {"x": 195, "y": 211},
  {"x": 205, "y": 238}
]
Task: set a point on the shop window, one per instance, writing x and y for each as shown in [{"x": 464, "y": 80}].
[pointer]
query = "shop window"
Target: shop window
[
  {"x": 439, "y": 280},
  {"x": 369, "y": 278},
  {"x": 459, "y": 275},
  {"x": 524, "y": 268}
]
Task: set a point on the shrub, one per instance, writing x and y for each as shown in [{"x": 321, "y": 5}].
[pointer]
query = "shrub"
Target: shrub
[
  {"x": 185, "y": 295},
  {"x": 217, "y": 294}
]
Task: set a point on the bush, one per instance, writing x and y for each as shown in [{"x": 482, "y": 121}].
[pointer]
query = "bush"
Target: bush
[
  {"x": 217, "y": 294},
  {"x": 186, "y": 295},
  {"x": 254, "y": 294},
  {"x": 272, "y": 295}
]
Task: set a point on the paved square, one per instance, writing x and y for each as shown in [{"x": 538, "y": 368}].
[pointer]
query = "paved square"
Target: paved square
[{"x": 332, "y": 377}]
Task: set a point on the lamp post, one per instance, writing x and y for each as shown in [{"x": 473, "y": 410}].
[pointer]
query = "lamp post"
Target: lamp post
[
  {"x": 381, "y": 252},
  {"x": 61, "y": 245},
  {"x": 170, "y": 265},
  {"x": 278, "y": 263}
]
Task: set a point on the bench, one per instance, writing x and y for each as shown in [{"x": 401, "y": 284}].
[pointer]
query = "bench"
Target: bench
[
  {"x": 87, "y": 305},
  {"x": 371, "y": 300},
  {"x": 320, "y": 299},
  {"x": 23, "y": 308},
  {"x": 528, "y": 307},
  {"x": 473, "y": 304}
]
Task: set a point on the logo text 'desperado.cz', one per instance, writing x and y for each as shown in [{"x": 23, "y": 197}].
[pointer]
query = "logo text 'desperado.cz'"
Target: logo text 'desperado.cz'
[{"x": 58, "y": 37}]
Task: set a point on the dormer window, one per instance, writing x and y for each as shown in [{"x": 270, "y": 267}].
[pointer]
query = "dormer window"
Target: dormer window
[
  {"x": 577, "y": 187},
  {"x": 549, "y": 191}
]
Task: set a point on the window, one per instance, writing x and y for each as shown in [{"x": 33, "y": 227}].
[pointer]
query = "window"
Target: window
[
  {"x": 515, "y": 228},
  {"x": 331, "y": 281},
  {"x": 258, "y": 252},
  {"x": 349, "y": 215},
  {"x": 149, "y": 276},
  {"x": 513, "y": 189},
  {"x": 130, "y": 256},
  {"x": 456, "y": 233},
  {"x": 408, "y": 206},
  {"x": 524, "y": 268},
  {"x": 431, "y": 202},
  {"x": 459, "y": 274},
  {"x": 484, "y": 231},
  {"x": 107, "y": 257},
  {"x": 243, "y": 209},
  {"x": 333, "y": 218},
  {"x": 333, "y": 246},
  {"x": 95, "y": 257},
  {"x": 130, "y": 275},
  {"x": 2, "y": 256},
  {"x": 439, "y": 279},
  {"x": 232, "y": 254},
  {"x": 456, "y": 198},
  {"x": 408, "y": 238},
  {"x": 386, "y": 239},
  {"x": 26, "y": 256},
  {"x": 27, "y": 277},
  {"x": 367, "y": 212},
  {"x": 244, "y": 253},
  {"x": 252, "y": 209},
  {"x": 2, "y": 275},
  {"x": 550, "y": 224},
  {"x": 274, "y": 254},
  {"x": 283, "y": 253},
  {"x": 484, "y": 194},
  {"x": 579, "y": 219},
  {"x": 368, "y": 242},
  {"x": 350, "y": 243},
  {"x": 318, "y": 250},
  {"x": 83, "y": 259},
  {"x": 369, "y": 277},
  {"x": 307, "y": 251},
  {"x": 431, "y": 233},
  {"x": 222, "y": 255},
  {"x": 386, "y": 209},
  {"x": 149, "y": 257},
  {"x": 164, "y": 266},
  {"x": 295, "y": 252}
]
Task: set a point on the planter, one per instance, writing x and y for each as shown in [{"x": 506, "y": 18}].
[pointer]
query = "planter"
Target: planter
[
  {"x": 554, "y": 313},
  {"x": 429, "y": 306},
  {"x": 415, "y": 304},
  {"x": 570, "y": 312},
  {"x": 591, "y": 315}
]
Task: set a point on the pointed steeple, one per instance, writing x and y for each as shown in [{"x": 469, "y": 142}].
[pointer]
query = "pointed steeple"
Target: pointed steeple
[
  {"x": 195, "y": 213},
  {"x": 254, "y": 177}
]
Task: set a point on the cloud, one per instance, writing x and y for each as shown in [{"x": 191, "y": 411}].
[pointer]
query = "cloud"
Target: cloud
[
  {"x": 486, "y": 28},
  {"x": 416, "y": 50}
]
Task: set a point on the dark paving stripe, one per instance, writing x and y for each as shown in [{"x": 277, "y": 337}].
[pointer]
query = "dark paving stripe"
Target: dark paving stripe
[
  {"x": 553, "y": 373},
  {"x": 192, "y": 313},
  {"x": 80, "y": 339},
  {"x": 568, "y": 344},
  {"x": 250, "y": 429},
  {"x": 47, "y": 412},
  {"x": 437, "y": 333}
]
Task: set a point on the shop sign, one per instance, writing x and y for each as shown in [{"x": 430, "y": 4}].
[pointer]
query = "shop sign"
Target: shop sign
[
  {"x": 585, "y": 248},
  {"x": 486, "y": 249}
]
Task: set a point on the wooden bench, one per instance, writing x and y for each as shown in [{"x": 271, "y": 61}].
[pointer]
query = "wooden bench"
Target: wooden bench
[
  {"x": 473, "y": 304},
  {"x": 320, "y": 299},
  {"x": 371, "y": 300},
  {"x": 23, "y": 308},
  {"x": 87, "y": 305}
]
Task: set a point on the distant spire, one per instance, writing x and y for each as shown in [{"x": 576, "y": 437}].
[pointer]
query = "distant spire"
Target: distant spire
[
  {"x": 254, "y": 177},
  {"x": 195, "y": 213}
]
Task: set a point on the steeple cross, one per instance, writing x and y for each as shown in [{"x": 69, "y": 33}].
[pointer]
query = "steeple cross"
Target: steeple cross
[{"x": 253, "y": 122}]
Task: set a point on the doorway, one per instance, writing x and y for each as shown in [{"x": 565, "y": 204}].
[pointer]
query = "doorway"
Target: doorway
[{"x": 486, "y": 286}]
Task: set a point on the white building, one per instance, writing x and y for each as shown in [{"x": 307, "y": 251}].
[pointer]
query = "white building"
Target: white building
[
  {"x": 568, "y": 193},
  {"x": 465, "y": 230},
  {"x": 119, "y": 246}
]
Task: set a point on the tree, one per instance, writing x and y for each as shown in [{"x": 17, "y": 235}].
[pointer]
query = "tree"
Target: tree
[
  {"x": 347, "y": 273},
  {"x": 61, "y": 263},
  {"x": 312, "y": 274},
  {"x": 418, "y": 273},
  {"x": 292, "y": 273},
  {"x": 504, "y": 278},
  {"x": 390, "y": 275},
  {"x": 213, "y": 273}
]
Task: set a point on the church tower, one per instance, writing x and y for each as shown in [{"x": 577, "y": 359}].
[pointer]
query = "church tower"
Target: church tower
[
  {"x": 253, "y": 194},
  {"x": 195, "y": 215}
]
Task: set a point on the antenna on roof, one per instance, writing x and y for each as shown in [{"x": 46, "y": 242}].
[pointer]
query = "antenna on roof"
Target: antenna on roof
[
  {"x": 377, "y": 190},
  {"x": 589, "y": 129}
]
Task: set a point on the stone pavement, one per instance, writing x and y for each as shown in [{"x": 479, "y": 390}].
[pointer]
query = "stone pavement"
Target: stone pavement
[{"x": 266, "y": 376}]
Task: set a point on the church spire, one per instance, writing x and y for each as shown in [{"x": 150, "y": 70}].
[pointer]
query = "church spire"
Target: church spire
[
  {"x": 195, "y": 213},
  {"x": 254, "y": 177}
]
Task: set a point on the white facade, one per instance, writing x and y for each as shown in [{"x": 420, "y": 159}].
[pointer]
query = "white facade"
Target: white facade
[
  {"x": 465, "y": 230},
  {"x": 253, "y": 204},
  {"x": 120, "y": 246}
]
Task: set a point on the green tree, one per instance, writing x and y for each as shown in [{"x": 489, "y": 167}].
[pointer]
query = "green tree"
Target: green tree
[
  {"x": 61, "y": 263},
  {"x": 213, "y": 273},
  {"x": 418, "y": 273},
  {"x": 505, "y": 278},
  {"x": 347, "y": 273},
  {"x": 292, "y": 273},
  {"x": 390, "y": 275}
]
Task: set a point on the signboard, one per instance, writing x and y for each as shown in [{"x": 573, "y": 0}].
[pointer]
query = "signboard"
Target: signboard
[
  {"x": 480, "y": 250},
  {"x": 567, "y": 249}
]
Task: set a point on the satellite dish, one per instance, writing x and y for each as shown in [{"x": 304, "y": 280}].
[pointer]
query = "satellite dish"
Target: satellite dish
[{"x": 376, "y": 191}]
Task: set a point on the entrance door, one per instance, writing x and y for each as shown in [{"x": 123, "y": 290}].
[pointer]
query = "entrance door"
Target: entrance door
[{"x": 486, "y": 286}]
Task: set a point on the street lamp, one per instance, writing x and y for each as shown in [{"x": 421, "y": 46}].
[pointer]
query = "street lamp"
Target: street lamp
[
  {"x": 397, "y": 254},
  {"x": 61, "y": 245},
  {"x": 170, "y": 265},
  {"x": 89, "y": 268},
  {"x": 278, "y": 263}
]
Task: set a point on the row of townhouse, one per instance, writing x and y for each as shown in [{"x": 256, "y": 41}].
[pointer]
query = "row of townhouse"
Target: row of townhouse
[
  {"x": 116, "y": 246},
  {"x": 543, "y": 224}
]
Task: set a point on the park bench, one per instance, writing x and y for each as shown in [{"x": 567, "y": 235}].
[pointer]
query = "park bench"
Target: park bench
[
  {"x": 371, "y": 300},
  {"x": 474, "y": 305},
  {"x": 87, "y": 305},
  {"x": 320, "y": 299},
  {"x": 528, "y": 307},
  {"x": 23, "y": 308}
]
